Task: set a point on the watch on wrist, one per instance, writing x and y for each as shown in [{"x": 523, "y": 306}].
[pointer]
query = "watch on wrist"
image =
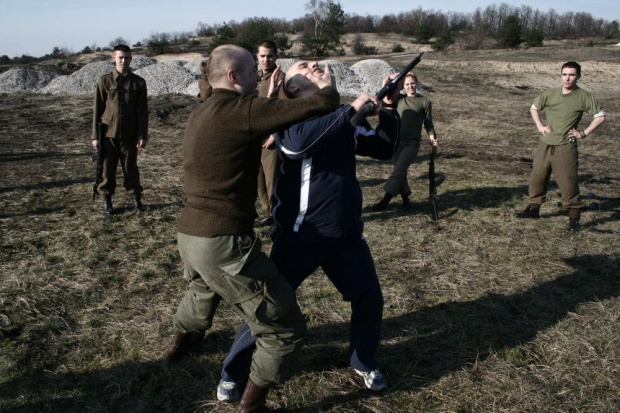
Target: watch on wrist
[{"x": 583, "y": 134}]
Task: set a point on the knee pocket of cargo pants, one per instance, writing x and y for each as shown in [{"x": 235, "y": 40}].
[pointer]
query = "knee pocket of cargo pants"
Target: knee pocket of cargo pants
[{"x": 256, "y": 286}]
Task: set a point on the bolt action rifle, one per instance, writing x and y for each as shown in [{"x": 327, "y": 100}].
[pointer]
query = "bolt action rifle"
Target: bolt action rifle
[
  {"x": 98, "y": 157},
  {"x": 434, "y": 180},
  {"x": 389, "y": 86}
]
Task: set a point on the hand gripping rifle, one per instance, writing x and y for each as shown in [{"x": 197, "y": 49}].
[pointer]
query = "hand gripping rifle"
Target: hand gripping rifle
[
  {"x": 434, "y": 180},
  {"x": 369, "y": 107},
  {"x": 98, "y": 157}
]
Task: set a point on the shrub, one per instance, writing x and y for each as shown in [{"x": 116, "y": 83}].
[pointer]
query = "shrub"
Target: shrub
[
  {"x": 510, "y": 32},
  {"x": 444, "y": 39},
  {"x": 397, "y": 48},
  {"x": 534, "y": 38}
]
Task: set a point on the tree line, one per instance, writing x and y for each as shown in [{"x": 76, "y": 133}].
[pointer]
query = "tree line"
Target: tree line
[{"x": 325, "y": 22}]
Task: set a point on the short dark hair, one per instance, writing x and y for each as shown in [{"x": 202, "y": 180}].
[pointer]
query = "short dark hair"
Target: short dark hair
[
  {"x": 268, "y": 44},
  {"x": 123, "y": 48},
  {"x": 573, "y": 65}
]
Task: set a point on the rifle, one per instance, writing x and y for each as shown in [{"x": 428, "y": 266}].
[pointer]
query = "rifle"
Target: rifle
[
  {"x": 369, "y": 107},
  {"x": 98, "y": 157},
  {"x": 434, "y": 180}
]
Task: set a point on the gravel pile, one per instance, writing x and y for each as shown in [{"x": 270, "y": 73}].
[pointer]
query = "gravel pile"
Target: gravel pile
[
  {"x": 370, "y": 74},
  {"x": 346, "y": 80},
  {"x": 194, "y": 65},
  {"x": 24, "y": 80},
  {"x": 167, "y": 77},
  {"x": 84, "y": 81},
  {"x": 179, "y": 76}
]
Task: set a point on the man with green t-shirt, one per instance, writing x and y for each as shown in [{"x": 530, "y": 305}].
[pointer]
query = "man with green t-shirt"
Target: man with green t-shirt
[{"x": 557, "y": 149}]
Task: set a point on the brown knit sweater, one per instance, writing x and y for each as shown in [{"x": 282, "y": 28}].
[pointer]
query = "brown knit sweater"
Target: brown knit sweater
[{"x": 221, "y": 154}]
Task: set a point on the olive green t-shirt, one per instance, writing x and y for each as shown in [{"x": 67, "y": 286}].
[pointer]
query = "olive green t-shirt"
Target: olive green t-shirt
[
  {"x": 415, "y": 112},
  {"x": 563, "y": 112}
]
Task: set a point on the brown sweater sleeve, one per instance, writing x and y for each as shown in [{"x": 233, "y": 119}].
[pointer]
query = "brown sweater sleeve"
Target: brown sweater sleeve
[{"x": 269, "y": 115}]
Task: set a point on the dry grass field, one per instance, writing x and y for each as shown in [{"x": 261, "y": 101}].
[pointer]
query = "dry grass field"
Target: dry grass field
[{"x": 483, "y": 312}]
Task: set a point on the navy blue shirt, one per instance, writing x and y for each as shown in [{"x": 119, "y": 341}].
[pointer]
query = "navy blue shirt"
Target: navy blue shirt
[{"x": 318, "y": 192}]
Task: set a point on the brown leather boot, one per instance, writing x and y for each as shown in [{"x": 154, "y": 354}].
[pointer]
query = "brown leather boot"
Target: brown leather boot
[
  {"x": 253, "y": 400},
  {"x": 182, "y": 343}
]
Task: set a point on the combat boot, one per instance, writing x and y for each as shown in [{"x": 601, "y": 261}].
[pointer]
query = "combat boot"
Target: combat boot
[
  {"x": 407, "y": 205},
  {"x": 383, "y": 204},
  {"x": 574, "y": 225},
  {"x": 183, "y": 343},
  {"x": 253, "y": 400},
  {"x": 529, "y": 212},
  {"x": 108, "y": 209},
  {"x": 137, "y": 203}
]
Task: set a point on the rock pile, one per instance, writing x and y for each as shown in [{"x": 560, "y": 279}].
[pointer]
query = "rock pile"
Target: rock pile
[
  {"x": 24, "y": 80},
  {"x": 178, "y": 76}
]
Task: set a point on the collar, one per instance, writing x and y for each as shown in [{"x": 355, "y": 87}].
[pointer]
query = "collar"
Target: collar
[{"x": 116, "y": 75}]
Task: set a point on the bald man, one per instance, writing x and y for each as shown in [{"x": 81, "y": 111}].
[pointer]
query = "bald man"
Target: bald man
[
  {"x": 216, "y": 240},
  {"x": 318, "y": 216}
]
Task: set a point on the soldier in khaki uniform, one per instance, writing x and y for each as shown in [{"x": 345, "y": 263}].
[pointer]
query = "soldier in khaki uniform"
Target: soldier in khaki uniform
[
  {"x": 121, "y": 104},
  {"x": 267, "y": 54},
  {"x": 557, "y": 148}
]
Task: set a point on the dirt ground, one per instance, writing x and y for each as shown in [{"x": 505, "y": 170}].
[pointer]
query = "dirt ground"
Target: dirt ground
[{"x": 483, "y": 312}]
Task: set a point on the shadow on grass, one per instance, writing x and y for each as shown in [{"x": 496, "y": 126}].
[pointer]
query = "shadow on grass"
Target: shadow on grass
[
  {"x": 128, "y": 208},
  {"x": 48, "y": 185},
  {"x": 27, "y": 156},
  {"x": 432, "y": 343},
  {"x": 450, "y": 336},
  {"x": 467, "y": 199},
  {"x": 138, "y": 386}
]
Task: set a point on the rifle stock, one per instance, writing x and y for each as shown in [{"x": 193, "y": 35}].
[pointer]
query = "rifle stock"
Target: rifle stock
[
  {"x": 387, "y": 88},
  {"x": 434, "y": 180},
  {"x": 101, "y": 130}
]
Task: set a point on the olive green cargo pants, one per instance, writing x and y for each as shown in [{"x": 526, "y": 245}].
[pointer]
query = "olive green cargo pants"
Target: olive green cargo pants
[
  {"x": 397, "y": 183},
  {"x": 563, "y": 161},
  {"x": 234, "y": 268}
]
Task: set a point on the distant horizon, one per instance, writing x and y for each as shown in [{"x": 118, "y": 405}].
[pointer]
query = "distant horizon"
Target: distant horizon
[{"x": 35, "y": 27}]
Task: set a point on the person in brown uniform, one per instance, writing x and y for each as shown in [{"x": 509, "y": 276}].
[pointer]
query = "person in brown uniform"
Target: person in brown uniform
[
  {"x": 203, "y": 82},
  {"x": 267, "y": 54},
  {"x": 222, "y": 256},
  {"x": 121, "y": 105}
]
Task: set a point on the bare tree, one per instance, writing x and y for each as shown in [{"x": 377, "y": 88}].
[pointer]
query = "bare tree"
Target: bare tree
[
  {"x": 318, "y": 10},
  {"x": 117, "y": 41}
]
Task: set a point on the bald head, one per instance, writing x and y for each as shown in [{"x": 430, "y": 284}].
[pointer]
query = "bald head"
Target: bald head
[
  {"x": 300, "y": 80},
  {"x": 232, "y": 67}
]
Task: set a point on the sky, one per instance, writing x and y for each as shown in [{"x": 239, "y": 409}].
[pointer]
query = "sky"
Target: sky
[{"x": 35, "y": 27}]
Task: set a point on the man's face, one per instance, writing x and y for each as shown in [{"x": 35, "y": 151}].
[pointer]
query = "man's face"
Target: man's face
[
  {"x": 247, "y": 77},
  {"x": 410, "y": 85},
  {"x": 266, "y": 58},
  {"x": 300, "y": 74},
  {"x": 569, "y": 78},
  {"x": 122, "y": 61}
]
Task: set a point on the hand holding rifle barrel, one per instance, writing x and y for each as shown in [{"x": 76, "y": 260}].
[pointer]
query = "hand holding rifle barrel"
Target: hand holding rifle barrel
[{"x": 385, "y": 91}]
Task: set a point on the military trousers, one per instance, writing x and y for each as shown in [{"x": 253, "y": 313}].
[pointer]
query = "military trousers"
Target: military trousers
[
  {"x": 397, "y": 183},
  {"x": 268, "y": 173},
  {"x": 234, "y": 269},
  {"x": 125, "y": 151},
  {"x": 348, "y": 264},
  {"x": 563, "y": 161}
]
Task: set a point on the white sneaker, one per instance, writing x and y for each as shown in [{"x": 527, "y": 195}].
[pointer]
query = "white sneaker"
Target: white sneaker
[
  {"x": 373, "y": 380},
  {"x": 227, "y": 391}
]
